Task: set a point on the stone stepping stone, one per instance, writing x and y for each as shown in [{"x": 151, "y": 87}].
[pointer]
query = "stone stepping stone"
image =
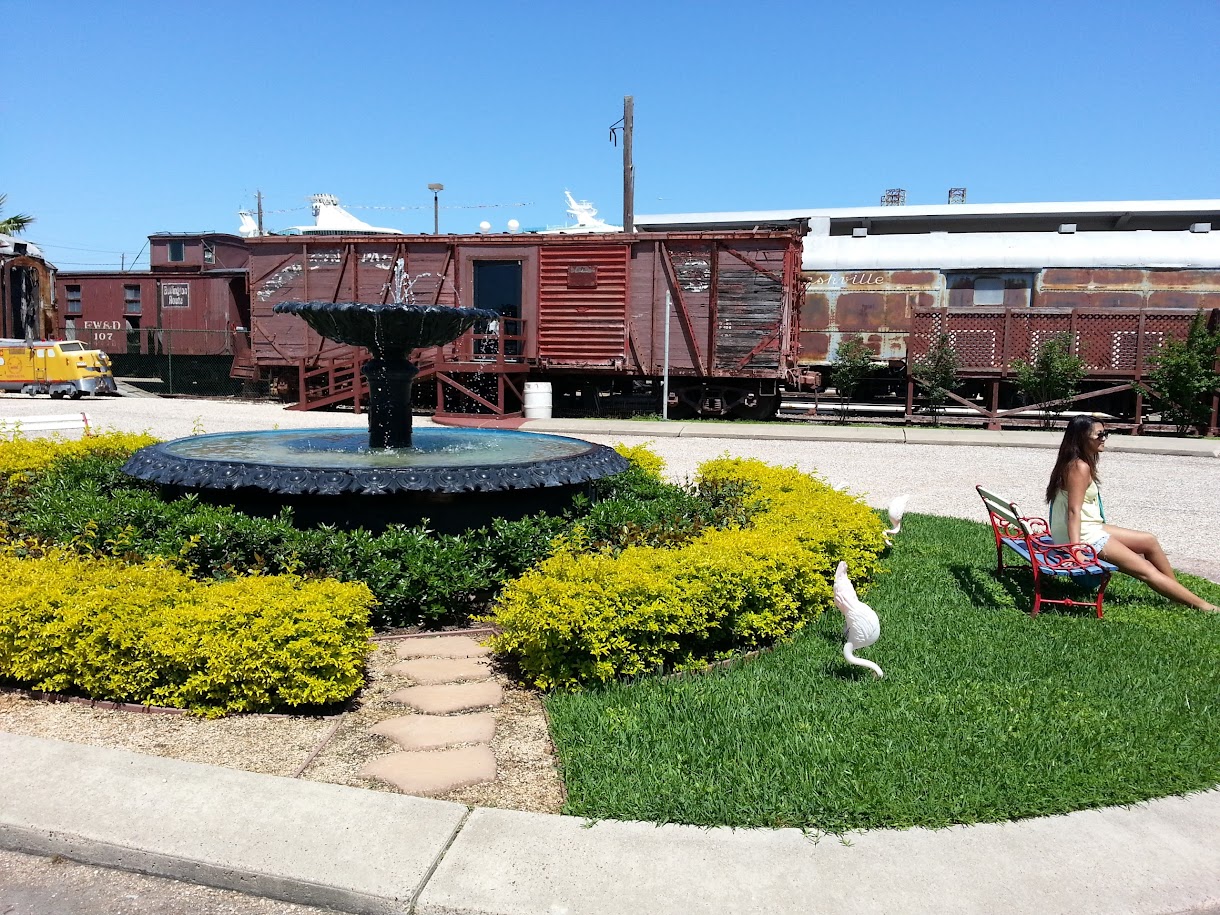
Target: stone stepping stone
[
  {"x": 447, "y": 698},
  {"x": 433, "y": 772},
  {"x": 427, "y": 732},
  {"x": 442, "y": 670},
  {"x": 442, "y": 646}
]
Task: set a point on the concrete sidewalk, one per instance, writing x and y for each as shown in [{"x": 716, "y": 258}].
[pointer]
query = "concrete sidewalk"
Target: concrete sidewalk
[{"x": 368, "y": 851}]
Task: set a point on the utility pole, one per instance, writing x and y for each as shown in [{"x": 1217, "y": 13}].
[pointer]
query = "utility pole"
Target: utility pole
[
  {"x": 436, "y": 207},
  {"x": 628, "y": 166},
  {"x": 259, "y": 195}
]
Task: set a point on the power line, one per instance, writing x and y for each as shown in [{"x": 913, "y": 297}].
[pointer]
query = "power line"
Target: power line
[
  {"x": 47, "y": 244},
  {"x": 91, "y": 264}
]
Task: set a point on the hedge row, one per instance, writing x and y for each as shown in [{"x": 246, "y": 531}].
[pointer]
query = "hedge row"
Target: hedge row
[
  {"x": 148, "y": 633},
  {"x": 75, "y": 493},
  {"x": 582, "y": 618}
]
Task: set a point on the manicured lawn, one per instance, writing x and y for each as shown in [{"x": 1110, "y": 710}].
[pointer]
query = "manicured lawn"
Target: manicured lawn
[{"x": 984, "y": 714}]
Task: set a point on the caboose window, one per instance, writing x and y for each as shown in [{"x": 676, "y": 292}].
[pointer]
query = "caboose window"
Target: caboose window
[
  {"x": 209, "y": 253},
  {"x": 74, "y": 300},
  {"x": 177, "y": 252},
  {"x": 988, "y": 290},
  {"x": 131, "y": 300}
]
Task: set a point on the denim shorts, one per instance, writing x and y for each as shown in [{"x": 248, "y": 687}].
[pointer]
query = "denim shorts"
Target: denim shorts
[{"x": 1098, "y": 543}]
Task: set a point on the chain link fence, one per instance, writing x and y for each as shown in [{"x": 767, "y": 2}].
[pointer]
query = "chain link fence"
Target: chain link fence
[{"x": 160, "y": 361}]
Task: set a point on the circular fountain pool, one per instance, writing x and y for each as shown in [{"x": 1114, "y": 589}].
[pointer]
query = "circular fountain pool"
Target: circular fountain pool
[{"x": 455, "y": 479}]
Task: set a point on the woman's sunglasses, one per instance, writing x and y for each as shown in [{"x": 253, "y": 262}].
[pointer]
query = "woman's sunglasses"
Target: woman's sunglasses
[{"x": 1101, "y": 436}]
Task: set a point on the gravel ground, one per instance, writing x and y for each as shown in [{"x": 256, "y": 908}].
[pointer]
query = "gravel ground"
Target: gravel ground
[
  {"x": 329, "y": 748},
  {"x": 1177, "y": 498}
]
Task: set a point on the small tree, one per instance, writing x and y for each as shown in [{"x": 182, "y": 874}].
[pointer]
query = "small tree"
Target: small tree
[
  {"x": 853, "y": 363},
  {"x": 1052, "y": 377},
  {"x": 936, "y": 373},
  {"x": 1184, "y": 378}
]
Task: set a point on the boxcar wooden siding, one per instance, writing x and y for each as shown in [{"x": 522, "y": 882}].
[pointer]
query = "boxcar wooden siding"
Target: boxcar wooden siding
[
  {"x": 750, "y": 318},
  {"x": 582, "y": 305}
]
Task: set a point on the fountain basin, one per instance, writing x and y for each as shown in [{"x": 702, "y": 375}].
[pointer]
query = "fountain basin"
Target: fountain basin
[
  {"x": 388, "y": 330},
  {"x": 455, "y": 479}
]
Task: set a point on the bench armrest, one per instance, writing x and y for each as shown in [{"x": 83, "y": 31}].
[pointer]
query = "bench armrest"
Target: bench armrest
[
  {"x": 1037, "y": 527},
  {"x": 1064, "y": 557}
]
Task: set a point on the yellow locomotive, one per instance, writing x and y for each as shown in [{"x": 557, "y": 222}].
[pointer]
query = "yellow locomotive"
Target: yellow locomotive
[{"x": 61, "y": 368}]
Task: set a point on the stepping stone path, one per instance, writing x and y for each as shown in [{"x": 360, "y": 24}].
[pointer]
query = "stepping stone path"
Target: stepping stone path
[
  {"x": 445, "y": 698},
  {"x": 451, "y": 681},
  {"x": 442, "y": 670}
]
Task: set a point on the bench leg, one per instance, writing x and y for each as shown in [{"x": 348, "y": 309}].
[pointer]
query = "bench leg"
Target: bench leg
[
  {"x": 1101, "y": 592},
  {"x": 1033, "y": 570}
]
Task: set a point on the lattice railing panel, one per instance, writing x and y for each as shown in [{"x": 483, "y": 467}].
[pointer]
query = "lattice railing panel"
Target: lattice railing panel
[
  {"x": 1027, "y": 331},
  {"x": 1115, "y": 343}
]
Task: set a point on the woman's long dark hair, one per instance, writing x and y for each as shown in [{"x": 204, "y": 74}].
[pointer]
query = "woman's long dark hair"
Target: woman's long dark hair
[{"x": 1076, "y": 445}]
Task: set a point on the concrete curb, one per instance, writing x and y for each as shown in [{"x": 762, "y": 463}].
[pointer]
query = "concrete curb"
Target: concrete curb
[
  {"x": 374, "y": 852},
  {"x": 306, "y": 842},
  {"x": 899, "y": 435}
]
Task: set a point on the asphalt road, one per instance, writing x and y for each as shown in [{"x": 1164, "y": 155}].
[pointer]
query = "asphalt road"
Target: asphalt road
[{"x": 31, "y": 885}]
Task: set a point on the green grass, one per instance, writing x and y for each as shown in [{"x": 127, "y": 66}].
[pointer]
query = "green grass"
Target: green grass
[{"x": 984, "y": 714}]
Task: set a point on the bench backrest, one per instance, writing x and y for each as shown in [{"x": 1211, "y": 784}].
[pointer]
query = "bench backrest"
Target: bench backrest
[{"x": 1006, "y": 512}]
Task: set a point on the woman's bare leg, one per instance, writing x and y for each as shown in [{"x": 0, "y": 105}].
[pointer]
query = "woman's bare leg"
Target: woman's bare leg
[
  {"x": 1137, "y": 566},
  {"x": 1143, "y": 543}
]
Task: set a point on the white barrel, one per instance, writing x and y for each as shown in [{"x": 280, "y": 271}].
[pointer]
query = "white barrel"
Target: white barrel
[{"x": 537, "y": 400}]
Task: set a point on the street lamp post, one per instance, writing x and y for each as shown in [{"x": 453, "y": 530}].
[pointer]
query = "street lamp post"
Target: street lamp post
[{"x": 436, "y": 207}]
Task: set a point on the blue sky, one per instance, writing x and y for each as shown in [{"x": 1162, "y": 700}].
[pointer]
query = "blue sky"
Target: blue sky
[{"x": 124, "y": 118}]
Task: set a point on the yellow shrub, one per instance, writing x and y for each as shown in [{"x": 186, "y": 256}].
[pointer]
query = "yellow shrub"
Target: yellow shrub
[
  {"x": 147, "y": 633},
  {"x": 579, "y": 619},
  {"x": 643, "y": 457},
  {"x": 22, "y": 458}
]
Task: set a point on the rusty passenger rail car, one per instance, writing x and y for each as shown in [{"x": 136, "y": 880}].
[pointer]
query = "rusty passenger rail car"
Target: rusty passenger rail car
[{"x": 1120, "y": 277}]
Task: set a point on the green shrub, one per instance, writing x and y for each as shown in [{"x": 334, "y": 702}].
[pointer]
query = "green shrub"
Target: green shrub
[
  {"x": 582, "y": 618},
  {"x": 853, "y": 363},
  {"x": 639, "y": 508},
  {"x": 80, "y": 496},
  {"x": 1183, "y": 377},
  {"x": 1053, "y": 377},
  {"x": 936, "y": 372},
  {"x": 148, "y": 633},
  {"x": 418, "y": 576},
  {"x": 23, "y": 460},
  {"x": 511, "y": 547}
]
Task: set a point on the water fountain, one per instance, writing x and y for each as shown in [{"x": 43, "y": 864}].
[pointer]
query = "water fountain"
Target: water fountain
[{"x": 456, "y": 479}]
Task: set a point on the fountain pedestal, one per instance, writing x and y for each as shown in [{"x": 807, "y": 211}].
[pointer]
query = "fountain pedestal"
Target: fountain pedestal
[{"x": 390, "y": 383}]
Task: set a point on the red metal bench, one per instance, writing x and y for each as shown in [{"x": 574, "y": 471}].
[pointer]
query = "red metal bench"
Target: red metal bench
[{"x": 1030, "y": 538}]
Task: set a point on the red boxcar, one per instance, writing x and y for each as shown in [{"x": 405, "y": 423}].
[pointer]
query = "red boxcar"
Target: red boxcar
[{"x": 584, "y": 312}]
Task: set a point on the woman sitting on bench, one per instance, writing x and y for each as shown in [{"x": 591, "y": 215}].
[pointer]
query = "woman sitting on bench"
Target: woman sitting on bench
[{"x": 1077, "y": 516}]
